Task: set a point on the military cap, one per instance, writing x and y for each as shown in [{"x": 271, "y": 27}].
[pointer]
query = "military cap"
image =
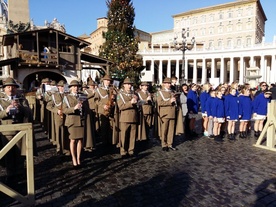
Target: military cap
[
  {"x": 53, "y": 83},
  {"x": 167, "y": 80},
  {"x": 106, "y": 77},
  {"x": 10, "y": 82},
  {"x": 91, "y": 83},
  {"x": 61, "y": 83},
  {"x": 144, "y": 84},
  {"x": 45, "y": 80},
  {"x": 74, "y": 83},
  {"x": 84, "y": 85},
  {"x": 127, "y": 81}
]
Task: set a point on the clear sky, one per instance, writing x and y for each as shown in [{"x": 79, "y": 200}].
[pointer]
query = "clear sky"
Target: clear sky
[{"x": 79, "y": 16}]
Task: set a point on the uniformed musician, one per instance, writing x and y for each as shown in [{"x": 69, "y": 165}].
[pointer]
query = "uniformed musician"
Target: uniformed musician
[
  {"x": 92, "y": 123},
  {"x": 14, "y": 109},
  {"x": 58, "y": 118},
  {"x": 105, "y": 104},
  {"x": 127, "y": 104},
  {"x": 167, "y": 113},
  {"x": 146, "y": 101},
  {"x": 74, "y": 122}
]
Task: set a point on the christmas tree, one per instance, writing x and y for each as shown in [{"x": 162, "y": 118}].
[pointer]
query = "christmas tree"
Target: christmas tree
[{"x": 121, "y": 45}]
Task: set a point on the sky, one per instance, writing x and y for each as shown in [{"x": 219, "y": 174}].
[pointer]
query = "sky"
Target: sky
[{"x": 80, "y": 17}]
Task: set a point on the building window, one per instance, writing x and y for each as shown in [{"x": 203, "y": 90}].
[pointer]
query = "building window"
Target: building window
[
  {"x": 249, "y": 25},
  {"x": 211, "y": 17},
  {"x": 229, "y": 43},
  {"x": 210, "y": 44},
  {"x": 221, "y": 15},
  {"x": 203, "y": 19},
  {"x": 248, "y": 41},
  {"x": 230, "y": 14},
  {"x": 239, "y": 13},
  {"x": 239, "y": 26},
  {"x": 220, "y": 29},
  {"x": 211, "y": 30},
  {"x": 229, "y": 28},
  {"x": 220, "y": 43},
  {"x": 238, "y": 42}
]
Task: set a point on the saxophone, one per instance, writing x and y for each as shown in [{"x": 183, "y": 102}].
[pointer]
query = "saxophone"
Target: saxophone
[{"x": 111, "y": 102}]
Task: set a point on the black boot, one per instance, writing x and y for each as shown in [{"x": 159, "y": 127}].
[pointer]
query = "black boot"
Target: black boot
[
  {"x": 256, "y": 134},
  {"x": 242, "y": 135}
]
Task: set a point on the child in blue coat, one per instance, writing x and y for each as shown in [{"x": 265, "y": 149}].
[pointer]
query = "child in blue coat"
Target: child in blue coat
[
  {"x": 245, "y": 110},
  {"x": 203, "y": 99},
  {"x": 232, "y": 112},
  {"x": 260, "y": 111},
  {"x": 218, "y": 115}
]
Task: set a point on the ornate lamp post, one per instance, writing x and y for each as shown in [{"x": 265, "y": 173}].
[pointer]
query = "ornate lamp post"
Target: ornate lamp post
[{"x": 183, "y": 46}]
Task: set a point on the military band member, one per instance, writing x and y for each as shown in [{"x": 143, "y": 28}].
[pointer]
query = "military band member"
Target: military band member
[
  {"x": 43, "y": 97},
  {"x": 167, "y": 113},
  {"x": 58, "y": 118},
  {"x": 105, "y": 105},
  {"x": 92, "y": 122},
  {"x": 14, "y": 109},
  {"x": 74, "y": 121},
  {"x": 147, "y": 106},
  {"x": 127, "y": 104}
]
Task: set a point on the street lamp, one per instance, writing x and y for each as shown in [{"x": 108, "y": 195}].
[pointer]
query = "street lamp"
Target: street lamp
[{"x": 183, "y": 46}]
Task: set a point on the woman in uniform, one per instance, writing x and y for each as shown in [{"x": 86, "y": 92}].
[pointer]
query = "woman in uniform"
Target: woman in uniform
[{"x": 74, "y": 121}]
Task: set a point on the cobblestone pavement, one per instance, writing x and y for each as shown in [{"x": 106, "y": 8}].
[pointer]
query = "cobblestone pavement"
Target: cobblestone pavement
[{"x": 200, "y": 173}]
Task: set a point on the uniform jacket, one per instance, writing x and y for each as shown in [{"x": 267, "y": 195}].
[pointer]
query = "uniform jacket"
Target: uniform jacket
[
  {"x": 91, "y": 98},
  {"x": 73, "y": 117},
  {"x": 128, "y": 111},
  {"x": 147, "y": 105},
  {"x": 102, "y": 97},
  {"x": 166, "y": 108}
]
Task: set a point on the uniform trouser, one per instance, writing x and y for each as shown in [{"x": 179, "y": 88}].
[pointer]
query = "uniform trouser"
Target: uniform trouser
[
  {"x": 167, "y": 132},
  {"x": 106, "y": 132},
  {"x": 128, "y": 136},
  {"x": 62, "y": 142},
  {"x": 148, "y": 120},
  {"x": 14, "y": 162}
]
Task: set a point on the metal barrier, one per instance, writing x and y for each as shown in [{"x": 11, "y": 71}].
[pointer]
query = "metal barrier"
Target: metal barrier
[
  {"x": 26, "y": 130},
  {"x": 269, "y": 129}
]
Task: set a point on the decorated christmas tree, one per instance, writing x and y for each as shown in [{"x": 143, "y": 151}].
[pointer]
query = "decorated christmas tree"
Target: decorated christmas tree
[{"x": 121, "y": 45}]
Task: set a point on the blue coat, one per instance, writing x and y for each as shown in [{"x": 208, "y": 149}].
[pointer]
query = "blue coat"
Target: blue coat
[
  {"x": 245, "y": 107},
  {"x": 208, "y": 105},
  {"x": 218, "y": 108},
  {"x": 260, "y": 104},
  {"x": 232, "y": 107},
  {"x": 192, "y": 102},
  {"x": 203, "y": 98}
]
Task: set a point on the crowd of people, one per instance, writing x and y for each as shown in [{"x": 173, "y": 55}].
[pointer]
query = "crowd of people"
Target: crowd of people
[
  {"x": 75, "y": 116},
  {"x": 223, "y": 106}
]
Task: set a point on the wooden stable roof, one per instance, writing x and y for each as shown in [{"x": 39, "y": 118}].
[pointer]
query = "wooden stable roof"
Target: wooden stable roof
[{"x": 9, "y": 39}]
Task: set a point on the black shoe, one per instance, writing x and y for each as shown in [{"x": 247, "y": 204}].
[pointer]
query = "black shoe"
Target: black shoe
[
  {"x": 165, "y": 149},
  {"x": 218, "y": 139},
  {"x": 173, "y": 148},
  {"x": 124, "y": 156},
  {"x": 231, "y": 137},
  {"x": 242, "y": 135}
]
